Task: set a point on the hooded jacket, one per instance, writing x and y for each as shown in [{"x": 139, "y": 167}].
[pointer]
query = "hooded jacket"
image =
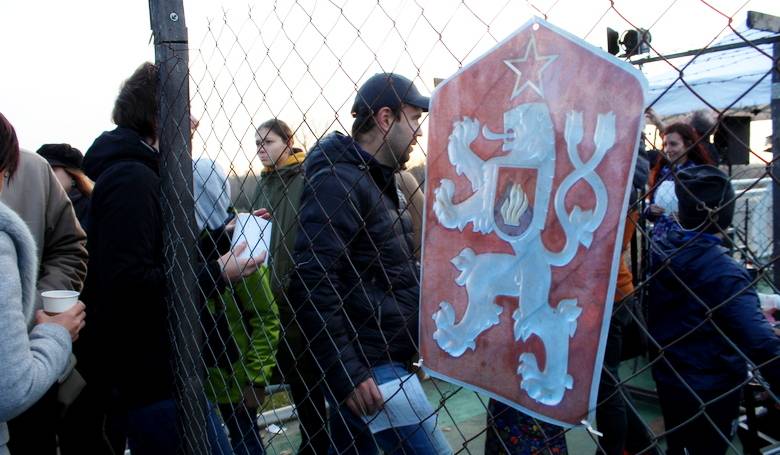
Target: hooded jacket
[
  {"x": 701, "y": 292},
  {"x": 31, "y": 363},
  {"x": 248, "y": 305},
  {"x": 126, "y": 343},
  {"x": 356, "y": 281}
]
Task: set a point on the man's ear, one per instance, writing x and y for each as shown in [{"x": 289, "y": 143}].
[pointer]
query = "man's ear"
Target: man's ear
[{"x": 384, "y": 118}]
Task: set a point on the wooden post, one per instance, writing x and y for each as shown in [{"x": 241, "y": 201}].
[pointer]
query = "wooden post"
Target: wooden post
[{"x": 179, "y": 232}]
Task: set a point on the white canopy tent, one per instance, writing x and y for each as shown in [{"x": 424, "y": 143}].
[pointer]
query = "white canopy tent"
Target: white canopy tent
[
  {"x": 735, "y": 79},
  {"x": 740, "y": 82}
]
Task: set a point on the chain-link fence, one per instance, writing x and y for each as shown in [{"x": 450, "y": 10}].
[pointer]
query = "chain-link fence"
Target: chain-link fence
[{"x": 287, "y": 353}]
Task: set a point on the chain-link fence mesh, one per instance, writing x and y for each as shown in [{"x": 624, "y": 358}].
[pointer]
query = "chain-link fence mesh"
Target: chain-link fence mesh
[{"x": 277, "y": 350}]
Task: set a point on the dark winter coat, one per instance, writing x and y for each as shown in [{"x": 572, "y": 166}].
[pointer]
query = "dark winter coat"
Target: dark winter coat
[
  {"x": 127, "y": 348},
  {"x": 80, "y": 206},
  {"x": 356, "y": 278},
  {"x": 702, "y": 292},
  {"x": 126, "y": 341}
]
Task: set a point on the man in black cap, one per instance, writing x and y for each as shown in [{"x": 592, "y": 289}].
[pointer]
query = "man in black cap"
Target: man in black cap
[
  {"x": 356, "y": 281},
  {"x": 705, "y": 317}
]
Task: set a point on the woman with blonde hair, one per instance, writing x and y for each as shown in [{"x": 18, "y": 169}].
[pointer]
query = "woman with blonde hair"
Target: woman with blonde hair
[{"x": 66, "y": 161}]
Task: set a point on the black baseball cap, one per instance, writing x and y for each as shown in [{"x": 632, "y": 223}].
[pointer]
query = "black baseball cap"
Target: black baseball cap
[
  {"x": 387, "y": 90},
  {"x": 62, "y": 155}
]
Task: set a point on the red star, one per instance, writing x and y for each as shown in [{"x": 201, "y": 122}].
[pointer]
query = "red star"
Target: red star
[{"x": 529, "y": 69}]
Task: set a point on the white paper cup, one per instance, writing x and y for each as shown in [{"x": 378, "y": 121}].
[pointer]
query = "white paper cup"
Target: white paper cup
[{"x": 59, "y": 301}]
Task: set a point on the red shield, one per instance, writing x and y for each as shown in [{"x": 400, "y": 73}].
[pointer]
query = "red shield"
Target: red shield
[{"x": 531, "y": 152}]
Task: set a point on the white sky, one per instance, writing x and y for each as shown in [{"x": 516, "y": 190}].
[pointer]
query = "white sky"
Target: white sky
[{"x": 63, "y": 62}]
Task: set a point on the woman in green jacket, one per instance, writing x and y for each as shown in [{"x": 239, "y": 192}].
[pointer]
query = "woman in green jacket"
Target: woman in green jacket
[
  {"x": 279, "y": 191},
  {"x": 244, "y": 356}
]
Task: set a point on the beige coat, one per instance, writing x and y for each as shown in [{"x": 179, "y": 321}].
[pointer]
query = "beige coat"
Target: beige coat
[{"x": 37, "y": 197}]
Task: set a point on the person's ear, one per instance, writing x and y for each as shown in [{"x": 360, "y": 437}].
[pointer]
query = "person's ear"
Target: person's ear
[{"x": 384, "y": 118}]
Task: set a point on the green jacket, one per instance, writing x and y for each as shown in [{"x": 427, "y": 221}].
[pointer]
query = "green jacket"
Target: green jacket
[
  {"x": 254, "y": 323},
  {"x": 279, "y": 191}
]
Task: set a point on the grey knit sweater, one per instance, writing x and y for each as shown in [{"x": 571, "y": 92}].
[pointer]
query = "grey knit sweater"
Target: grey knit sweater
[{"x": 29, "y": 362}]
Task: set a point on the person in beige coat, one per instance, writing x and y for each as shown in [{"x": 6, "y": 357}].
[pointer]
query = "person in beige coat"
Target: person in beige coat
[
  {"x": 31, "y": 359},
  {"x": 38, "y": 198}
]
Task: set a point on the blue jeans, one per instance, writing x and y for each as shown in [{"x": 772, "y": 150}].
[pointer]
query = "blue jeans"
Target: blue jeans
[
  {"x": 152, "y": 430},
  {"x": 350, "y": 434},
  {"x": 242, "y": 425}
]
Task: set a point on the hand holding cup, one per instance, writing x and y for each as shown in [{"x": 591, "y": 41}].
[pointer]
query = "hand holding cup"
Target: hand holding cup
[{"x": 72, "y": 319}]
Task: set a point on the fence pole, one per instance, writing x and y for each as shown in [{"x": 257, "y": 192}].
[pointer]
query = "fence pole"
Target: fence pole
[
  {"x": 770, "y": 23},
  {"x": 171, "y": 57},
  {"x": 776, "y": 160}
]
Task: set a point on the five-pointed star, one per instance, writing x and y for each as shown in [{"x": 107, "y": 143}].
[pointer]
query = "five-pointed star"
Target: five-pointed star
[{"x": 530, "y": 68}]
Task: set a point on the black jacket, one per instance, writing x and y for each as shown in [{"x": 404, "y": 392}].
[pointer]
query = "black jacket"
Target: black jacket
[
  {"x": 356, "y": 281},
  {"x": 701, "y": 303},
  {"x": 126, "y": 339},
  {"x": 80, "y": 206}
]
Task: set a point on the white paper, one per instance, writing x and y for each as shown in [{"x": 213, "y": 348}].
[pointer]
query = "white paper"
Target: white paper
[
  {"x": 253, "y": 230},
  {"x": 405, "y": 404},
  {"x": 275, "y": 429},
  {"x": 666, "y": 198}
]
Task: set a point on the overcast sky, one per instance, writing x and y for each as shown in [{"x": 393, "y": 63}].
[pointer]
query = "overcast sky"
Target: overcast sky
[{"x": 63, "y": 62}]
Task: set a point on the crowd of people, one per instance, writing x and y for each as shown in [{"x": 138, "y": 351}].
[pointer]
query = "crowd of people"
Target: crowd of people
[{"x": 331, "y": 308}]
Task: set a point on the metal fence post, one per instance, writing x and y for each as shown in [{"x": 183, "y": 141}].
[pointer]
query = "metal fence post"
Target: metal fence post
[
  {"x": 171, "y": 57},
  {"x": 775, "y": 103},
  {"x": 770, "y": 23}
]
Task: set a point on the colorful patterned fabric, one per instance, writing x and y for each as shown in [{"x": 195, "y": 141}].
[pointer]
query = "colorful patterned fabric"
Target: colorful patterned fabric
[{"x": 510, "y": 432}]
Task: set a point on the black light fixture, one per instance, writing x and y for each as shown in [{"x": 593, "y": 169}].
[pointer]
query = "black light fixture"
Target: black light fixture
[
  {"x": 612, "y": 41},
  {"x": 633, "y": 42}
]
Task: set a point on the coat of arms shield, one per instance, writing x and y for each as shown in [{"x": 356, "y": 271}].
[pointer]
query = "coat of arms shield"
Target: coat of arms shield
[{"x": 530, "y": 157}]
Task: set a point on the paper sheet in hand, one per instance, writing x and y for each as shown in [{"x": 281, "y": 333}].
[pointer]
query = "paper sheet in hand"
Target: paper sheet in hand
[
  {"x": 666, "y": 198},
  {"x": 405, "y": 404},
  {"x": 253, "y": 230}
]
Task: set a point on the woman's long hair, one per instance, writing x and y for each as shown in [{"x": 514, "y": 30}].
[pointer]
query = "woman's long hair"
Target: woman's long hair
[{"x": 694, "y": 149}]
